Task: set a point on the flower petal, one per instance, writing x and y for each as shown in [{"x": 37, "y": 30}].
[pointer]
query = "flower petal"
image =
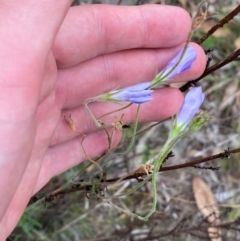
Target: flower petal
[
  {"x": 185, "y": 63},
  {"x": 138, "y": 87},
  {"x": 191, "y": 105},
  {"x": 136, "y": 94}
]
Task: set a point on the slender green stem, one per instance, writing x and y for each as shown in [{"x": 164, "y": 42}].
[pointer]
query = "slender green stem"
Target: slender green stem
[
  {"x": 126, "y": 106},
  {"x": 89, "y": 159},
  {"x": 132, "y": 137},
  {"x": 86, "y": 102},
  {"x": 133, "y": 134},
  {"x": 157, "y": 165},
  {"x": 108, "y": 136}
]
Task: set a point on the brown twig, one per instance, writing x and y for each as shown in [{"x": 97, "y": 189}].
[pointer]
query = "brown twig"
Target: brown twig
[
  {"x": 220, "y": 24},
  {"x": 230, "y": 58},
  {"x": 103, "y": 183},
  {"x": 221, "y": 155},
  {"x": 211, "y": 69},
  {"x": 225, "y": 154}
]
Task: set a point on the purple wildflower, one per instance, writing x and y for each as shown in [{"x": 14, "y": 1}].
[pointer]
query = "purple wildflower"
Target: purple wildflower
[
  {"x": 191, "y": 105},
  {"x": 186, "y": 62},
  {"x": 137, "y": 94}
]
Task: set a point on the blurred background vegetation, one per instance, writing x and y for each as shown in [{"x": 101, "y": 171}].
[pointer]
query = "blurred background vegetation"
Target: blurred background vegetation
[{"x": 77, "y": 216}]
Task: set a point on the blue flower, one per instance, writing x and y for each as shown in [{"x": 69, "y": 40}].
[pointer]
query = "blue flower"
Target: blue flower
[
  {"x": 137, "y": 94},
  {"x": 191, "y": 105},
  {"x": 186, "y": 62}
]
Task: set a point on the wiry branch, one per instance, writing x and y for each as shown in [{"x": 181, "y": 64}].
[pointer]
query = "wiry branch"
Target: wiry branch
[
  {"x": 220, "y": 24},
  {"x": 233, "y": 56},
  {"x": 103, "y": 183}
]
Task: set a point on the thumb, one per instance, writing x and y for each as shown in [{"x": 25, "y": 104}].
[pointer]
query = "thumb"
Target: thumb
[{"x": 28, "y": 29}]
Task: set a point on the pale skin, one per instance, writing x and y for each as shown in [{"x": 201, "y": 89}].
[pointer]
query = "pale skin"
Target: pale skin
[{"x": 52, "y": 59}]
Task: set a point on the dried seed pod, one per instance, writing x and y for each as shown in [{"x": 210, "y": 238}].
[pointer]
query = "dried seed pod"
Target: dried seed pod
[
  {"x": 200, "y": 16},
  {"x": 145, "y": 169},
  {"x": 119, "y": 124},
  {"x": 71, "y": 124}
]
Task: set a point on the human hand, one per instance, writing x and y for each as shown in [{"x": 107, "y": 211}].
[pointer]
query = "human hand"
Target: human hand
[{"x": 52, "y": 59}]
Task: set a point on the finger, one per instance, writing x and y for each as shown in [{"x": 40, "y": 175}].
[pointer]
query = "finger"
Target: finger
[
  {"x": 105, "y": 29},
  {"x": 166, "y": 102},
  {"x": 118, "y": 70},
  {"x": 62, "y": 157}
]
